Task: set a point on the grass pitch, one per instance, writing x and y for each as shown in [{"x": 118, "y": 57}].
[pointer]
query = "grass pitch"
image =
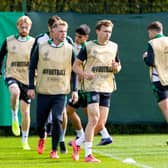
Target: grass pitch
[{"x": 147, "y": 151}]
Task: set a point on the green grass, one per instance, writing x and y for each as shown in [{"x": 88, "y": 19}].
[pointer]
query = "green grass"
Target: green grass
[{"x": 147, "y": 150}]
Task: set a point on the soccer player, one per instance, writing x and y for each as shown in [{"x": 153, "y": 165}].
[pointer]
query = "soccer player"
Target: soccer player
[
  {"x": 81, "y": 37},
  {"x": 156, "y": 58},
  {"x": 53, "y": 60},
  {"x": 102, "y": 62},
  {"x": 43, "y": 37},
  {"x": 17, "y": 48}
]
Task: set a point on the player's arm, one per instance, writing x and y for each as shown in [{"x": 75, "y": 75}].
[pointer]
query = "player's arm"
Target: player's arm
[
  {"x": 149, "y": 56},
  {"x": 74, "y": 77},
  {"x": 77, "y": 65},
  {"x": 32, "y": 67},
  {"x": 34, "y": 45},
  {"x": 3, "y": 52},
  {"x": 116, "y": 65}
]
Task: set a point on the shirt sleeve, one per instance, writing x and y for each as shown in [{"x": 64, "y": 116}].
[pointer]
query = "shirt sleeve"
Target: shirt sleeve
[
  {"x": 69, "y": 40},
  {"x": 149, "y": 60},
  {"x": 74, "y": 75},
  {"x": 82, "y": 54},
  {"x": 34, "y": 45},
  {"x": 3, "y": 52},
  {"x": 33, "y": 66},
  {"x": 117, "y": 59}
]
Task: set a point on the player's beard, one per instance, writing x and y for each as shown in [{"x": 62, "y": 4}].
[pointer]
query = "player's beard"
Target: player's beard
[{"x": 23, "y": 34}]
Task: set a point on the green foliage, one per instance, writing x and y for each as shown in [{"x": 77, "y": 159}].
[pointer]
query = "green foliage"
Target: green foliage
[{"x": 87, "y": 6}]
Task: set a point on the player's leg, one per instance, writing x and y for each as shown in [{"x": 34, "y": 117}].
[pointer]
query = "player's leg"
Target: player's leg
[
  {"x": 161, "y": 94},
  {"x": 62, "y": 137},
  {"x": 58, "y": 105},
  {"x": 163, "y": 105},
  {"x": 93, "y": 117},
  {"x": 164, "y": 108},
  {"x": 25, "y": 111},
  {"x": 14, "y": 101},
  {"x": 100, "y": 127},
  {"x": 104, "y": 111},
  {"x": 75, "y": 120},
  {"x": 74, "y": 117},
  {"x": 43, "y": 110},
  {"x": 49, "y": 124}
]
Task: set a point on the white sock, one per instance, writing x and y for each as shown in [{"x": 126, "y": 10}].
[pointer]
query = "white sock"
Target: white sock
[
  {"x": 104, "y": 133},
  {"x": 88, "y": 148},
  {"x": 80, "y": 140},
  {"x": 25, "y": 135},
  {"x": 62, "y": 136},
  {"x": 50, "y": 117},
  {"x": 80, "y": 132},
  {"x": 14, "y": 115}
]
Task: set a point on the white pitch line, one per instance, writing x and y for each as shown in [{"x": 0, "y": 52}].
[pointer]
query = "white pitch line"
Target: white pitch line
[{"x": 120, "y": 159}]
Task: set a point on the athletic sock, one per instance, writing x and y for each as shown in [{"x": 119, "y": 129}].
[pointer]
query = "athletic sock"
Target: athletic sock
[
  {"x": 104, "y": 133},
  {"x": 25, "y": 135},
  {"x": 80, "y": 132},
  {"x": 88, "y": 148},
  {"x": 80, "y": 140},
  {"x": 14, "y": 115}
]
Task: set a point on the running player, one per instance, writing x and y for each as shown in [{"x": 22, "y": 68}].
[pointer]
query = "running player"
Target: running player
[
  {"x": 102, "y": 63},
  {"x": 53, "y": 60},
  {"x": 18, "y": 48},
  {"x": 43, "y": 37},
  {"x": 81, "y": 37},
  {"x": 156, "y": 58}
]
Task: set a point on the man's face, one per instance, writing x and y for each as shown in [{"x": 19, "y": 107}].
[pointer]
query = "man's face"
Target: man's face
[
  {"x": 79, "y": 39},
  {"x": 59, "y": 33},
  {"x": 104, "y": 33},
  {"x": 151, "y": 34},
  {"x": 24, "y": 29}
]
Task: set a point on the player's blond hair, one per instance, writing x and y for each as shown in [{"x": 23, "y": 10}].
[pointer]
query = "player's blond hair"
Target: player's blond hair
[
  {"x": 24, "y": 19},
  {"x": 60, "y": 22}
]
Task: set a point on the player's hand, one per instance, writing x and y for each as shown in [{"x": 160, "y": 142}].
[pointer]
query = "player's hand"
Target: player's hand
[
  {"x": 88, "y": 75},
  {"x": 74, "y": 97},
  {"x": 144, "y": 54},
  {"x": 115, "y": 66},
  {"x": 31, "y": 93}
]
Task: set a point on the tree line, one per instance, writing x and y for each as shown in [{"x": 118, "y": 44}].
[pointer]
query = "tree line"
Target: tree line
[{"x": 86, "y": 6}]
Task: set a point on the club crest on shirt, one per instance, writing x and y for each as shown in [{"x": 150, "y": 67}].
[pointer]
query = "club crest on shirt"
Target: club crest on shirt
[
  {"x": 13, "y": 49},
  {"x": 46, "y": 56},
  {"x": 94, "y": 53}
]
